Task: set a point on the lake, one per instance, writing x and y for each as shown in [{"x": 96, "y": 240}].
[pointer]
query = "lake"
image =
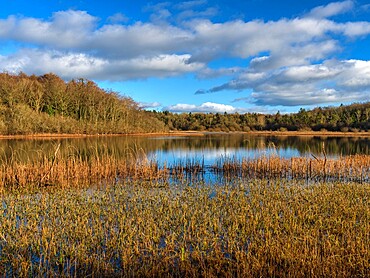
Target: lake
[{"x": 207, "y": 148}]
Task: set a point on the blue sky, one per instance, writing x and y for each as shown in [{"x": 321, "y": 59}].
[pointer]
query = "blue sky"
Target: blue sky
[{"x": 199, "y": 55}]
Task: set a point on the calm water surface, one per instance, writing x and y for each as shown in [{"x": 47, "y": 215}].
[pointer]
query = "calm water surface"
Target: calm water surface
[{"x": 208, "y": 148}]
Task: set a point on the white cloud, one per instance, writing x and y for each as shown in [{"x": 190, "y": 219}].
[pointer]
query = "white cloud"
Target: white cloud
[
  {"x": 77, "y": 31},
  {"x": 355, "y": 76},
  {"x": 204, "y": 40},
  {"x": 308, "y": 73},
  {"x": 71, "y": 65},
  {"x": 328, "y": 82},
  {"x": 161, "y": 16},
  {"x": 207, "y": 107},
  {"x": 292, "y": 61},
  {"x": 66, "y": 29},
  {"x": 190, "y": 4},
  {"x": 355, "y": 29},
  {"x": 147, "y": 105},
  {"x": 211, "y": 107},
  {"x": 138, "y": 40},
  {"x": 118, "y": 18},
  {"x": 332, "y": 9},
  {"x": 303, "y": 54},
  {"x": 67, "y": 65}
]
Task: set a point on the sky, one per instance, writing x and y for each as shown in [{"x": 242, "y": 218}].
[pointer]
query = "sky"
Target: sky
[{"x": 220, "y": 56}]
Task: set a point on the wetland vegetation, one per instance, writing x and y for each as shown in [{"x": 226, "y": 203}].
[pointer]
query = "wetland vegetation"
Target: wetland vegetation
[
  {"x": 106, "y": 212},
  {"x": 264, "y": 228},
  {"x": 218, "y": 205},
  {"x": 257, "y": 228}
]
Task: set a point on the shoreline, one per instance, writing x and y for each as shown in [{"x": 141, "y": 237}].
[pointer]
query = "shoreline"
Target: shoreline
[{"x": 188, "y": 133}]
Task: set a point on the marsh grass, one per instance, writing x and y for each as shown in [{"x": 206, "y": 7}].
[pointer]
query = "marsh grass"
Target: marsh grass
[
  {"x": 100, "y": 214},
  {"x": 77, "y": 169},
  {"x": 347, "y": 168},
  {"x": 262, "y": 228},
  {"x": 99, "y": 166}
]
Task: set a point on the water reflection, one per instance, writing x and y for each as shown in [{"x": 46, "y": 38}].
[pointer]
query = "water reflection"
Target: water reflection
[
  {"x": 208, "y": 148},
  {"x": 213, "y": 147}
]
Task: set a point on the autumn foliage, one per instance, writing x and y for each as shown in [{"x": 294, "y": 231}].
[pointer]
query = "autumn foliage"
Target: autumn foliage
[{"x": 48, "y": 104}]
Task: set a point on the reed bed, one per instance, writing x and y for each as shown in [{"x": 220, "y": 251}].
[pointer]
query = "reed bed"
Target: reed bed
[
  {"x": 78, "y": 171},
  {"x": 347, "y": 168},
  {"x": 103, "y": 168},
  {"x": 260, "y": 228}
]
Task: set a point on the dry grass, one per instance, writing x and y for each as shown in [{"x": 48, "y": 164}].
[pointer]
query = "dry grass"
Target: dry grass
[
  {"x": 268, "y": 221},
  {"x": 257, "y": 229},
  {"x": 101, "y": 167},
  {"x": 78, "y": 170},
  {"x": 347, "y": 168}
]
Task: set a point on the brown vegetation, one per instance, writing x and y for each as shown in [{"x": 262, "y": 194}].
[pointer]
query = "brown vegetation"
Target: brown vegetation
[
  {"x": 348, "y": 168},
  {"x": 101, "y": 166},
  {"x": 47, "y": 104},
  {"x": 260, "y": 228},
  {"x": 104, "y": 215}
]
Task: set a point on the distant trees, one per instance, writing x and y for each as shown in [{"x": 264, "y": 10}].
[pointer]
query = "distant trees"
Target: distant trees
[
  {"x": 355, "y": 117},
  {"x": 47, "y": 104}
]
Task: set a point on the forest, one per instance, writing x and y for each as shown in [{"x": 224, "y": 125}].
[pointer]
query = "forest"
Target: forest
[
  {"x": 48, "y": 104},
  {"x": 31, "y": 104},
  {"x": 346, "y": 118}
]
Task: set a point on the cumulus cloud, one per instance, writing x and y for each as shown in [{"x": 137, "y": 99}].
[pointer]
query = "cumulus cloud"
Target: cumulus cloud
[
  {"x": 204, "y": 40},
  {"x": 65, "y": 29},
  {"x": 332, "y": 9},
  {"x": 357, "y": 29},
  {"x": 290, "y": 61},
  {"x": 329, "y": 82},
  {"x": 149, "y": 105},
  {"x": 71, "y": 65},
  {"x": 67, "y": 65},
  {"x": 355, "y": 76},
  {"x": 209, "y": 107}
]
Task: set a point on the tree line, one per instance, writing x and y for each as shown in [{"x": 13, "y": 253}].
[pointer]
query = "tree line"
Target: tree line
[
  {"x": 352, "y": 118},
  {"x": 31, "y": 104},
  {"x": 47, "y": 104}
]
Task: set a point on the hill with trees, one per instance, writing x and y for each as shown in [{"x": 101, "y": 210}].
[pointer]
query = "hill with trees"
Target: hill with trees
[
  {"x": 48, "y": 104},
  {"x": 355, "y": 117}
]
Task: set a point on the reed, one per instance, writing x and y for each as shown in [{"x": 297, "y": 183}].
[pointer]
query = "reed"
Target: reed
[
  {"x": 347, "y": 168},
  {"x": 78, "y": 170},
  {"x": 104, "y": 215},
  {"x": 100, "y": 166},
  {"x": 259, "y": 228}
]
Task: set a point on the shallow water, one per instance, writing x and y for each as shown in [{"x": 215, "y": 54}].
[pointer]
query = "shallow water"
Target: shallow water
[
  {"x": 194, "y": 152},
  {"x": 201, "y": 149}
]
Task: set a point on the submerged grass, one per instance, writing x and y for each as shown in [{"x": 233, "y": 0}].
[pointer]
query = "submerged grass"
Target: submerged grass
[
  {"x": 102, "y": 167},
  {"x": 265, "y": 221},
  {"x": 77, "y": 170},
  {"x": 262, "y": 228},
  {"x": 347, "y": 168}
]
